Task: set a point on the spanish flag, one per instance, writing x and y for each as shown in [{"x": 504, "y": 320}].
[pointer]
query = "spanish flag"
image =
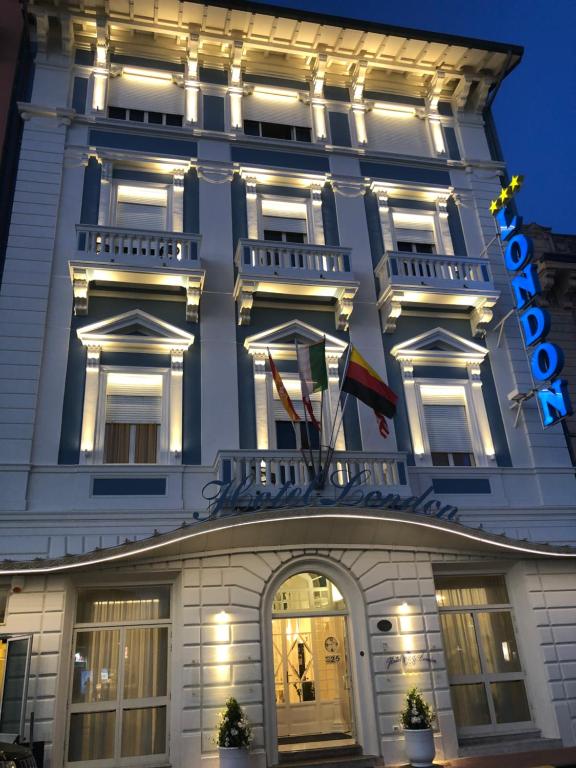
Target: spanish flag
[
  {"x": 282, "y": 393},
  {"x": 363, "y": 382}
]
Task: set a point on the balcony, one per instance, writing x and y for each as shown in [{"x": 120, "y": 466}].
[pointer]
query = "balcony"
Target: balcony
[
  {"x": 270, "y": 470},
  {"x": 153, "y": 258},
  {"x": 432, "y": 279},
  {"x": 316, "y": 272}
]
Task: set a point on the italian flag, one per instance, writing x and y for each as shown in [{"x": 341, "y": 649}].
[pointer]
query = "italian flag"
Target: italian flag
[{"x": 313, "y": 375}]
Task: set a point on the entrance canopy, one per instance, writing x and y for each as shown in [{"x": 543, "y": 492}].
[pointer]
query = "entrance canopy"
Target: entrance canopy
[{"x": 300, "y": 527}]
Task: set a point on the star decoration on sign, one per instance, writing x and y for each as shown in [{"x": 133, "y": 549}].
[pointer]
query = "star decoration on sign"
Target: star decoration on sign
[
  {"x": 494, "y": 206},
  {"x": 515, "y": 183},
  {"x": 506, "y": 194}
]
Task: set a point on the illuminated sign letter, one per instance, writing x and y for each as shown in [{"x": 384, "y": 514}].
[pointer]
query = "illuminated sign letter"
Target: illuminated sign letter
[
  {"x": 547, "y": 361},
  {"x": 525, "y": 286},
  {"x": 554, "y": 402},
  {"x": 508, "y": 222},
  {"x": 535, "y": 323},
  {"x": 518, "y": 252}
]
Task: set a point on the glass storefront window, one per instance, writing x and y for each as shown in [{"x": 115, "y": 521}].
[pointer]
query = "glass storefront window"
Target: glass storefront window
[
  {"x": 119, "y": 692},
  {"x": 484, "y": 669}
]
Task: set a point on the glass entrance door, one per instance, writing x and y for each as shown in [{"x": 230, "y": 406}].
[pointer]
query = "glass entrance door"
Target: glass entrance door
[{"x": 311, "y": 665}]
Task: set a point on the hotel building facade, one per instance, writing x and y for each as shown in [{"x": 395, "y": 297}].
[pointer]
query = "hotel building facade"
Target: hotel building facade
[{"x": 197, "y": 185}]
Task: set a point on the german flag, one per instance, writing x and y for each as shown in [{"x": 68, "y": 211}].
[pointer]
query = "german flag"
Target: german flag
[{"x": 363, "y": 382}]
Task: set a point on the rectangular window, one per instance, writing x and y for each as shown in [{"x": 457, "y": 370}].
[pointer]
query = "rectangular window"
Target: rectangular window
[
  {"x": 141, "y": 116},
  {"x": 284, "y": 220},
  {"x": 415, "y": 232},
  {"x": 289, "y": 436},
  {"x": 277, "y": 131},
  {"x": 141, "y": 207},
  {"x": 484, "y": 669},
  {"x": 447, "y": 425},
  {"x": 119, "y": 689},
  {"x": 14, "y": 670},
  {"x": 132, "y": 418}
]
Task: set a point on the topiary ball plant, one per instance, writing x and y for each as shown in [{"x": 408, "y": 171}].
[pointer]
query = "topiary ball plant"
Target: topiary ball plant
[
  {"x": 233, "y": 728},
  {"x": 417, "y": 714}
]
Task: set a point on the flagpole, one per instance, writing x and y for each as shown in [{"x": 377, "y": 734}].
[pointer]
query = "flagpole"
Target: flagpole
[
  {"x": 332, "y": 435},
  {"x": 332, "y": 449},
  {"x": 305, "y": 416}
]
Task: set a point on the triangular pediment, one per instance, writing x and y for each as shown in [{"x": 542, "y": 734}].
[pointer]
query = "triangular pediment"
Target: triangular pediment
[
  {"x": 441, "y": 346},
  {"x": 137, "y": 331},
  {"x": 282, "y": 339}
]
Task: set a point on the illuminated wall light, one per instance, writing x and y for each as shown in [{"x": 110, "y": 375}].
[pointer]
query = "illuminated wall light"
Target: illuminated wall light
[
  {"x": 101, "y": 55},
  {"x": 235, "y": 73},
  {"x": 360, "y": 122},
  {"x": 236, "y": 107},
  {"x": 273, "y": 93},
  {"x": 319, "y": 119},
  {"x": 438, "y": 137},
  {"x": 146, "y": 74},
  {"x": 191, "y": 90},
  {"x": 99, "y": 90},
  {"x": 395, "y": 110}
]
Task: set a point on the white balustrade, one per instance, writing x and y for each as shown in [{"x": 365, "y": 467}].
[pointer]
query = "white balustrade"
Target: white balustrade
[
  {"x": 264, "y": 256},
  {"x": 128, "y": 245},
  {"x": 434, "y": 269},
  {"x": 272, "y": 469}
]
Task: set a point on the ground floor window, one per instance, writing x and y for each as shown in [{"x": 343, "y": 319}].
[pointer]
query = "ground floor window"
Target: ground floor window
[
  {"x": 15, "y": 653},
  {"x": 484, "y": 667},
  {"x": 119, "y": 687}
]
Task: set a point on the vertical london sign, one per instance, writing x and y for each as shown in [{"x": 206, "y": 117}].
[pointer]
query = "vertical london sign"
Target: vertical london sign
[{"x": 547, "y": 359}]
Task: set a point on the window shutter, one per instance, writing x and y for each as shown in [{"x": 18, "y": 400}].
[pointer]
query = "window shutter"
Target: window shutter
[
  {"x": 141, "y": 207},
  {"x": 400, "y": 135},
  {"x": 147, "y": 94},
  {"x": 414, "y": 229},
  {"x": 293, "y": 389},
  {"x": 134, "y": 399},
  {"x": 270, "y": 109},
  {"x": 293, "y": 219},
  {"x": 447, "y": 422},
  {"x": 284, "y": 224}
]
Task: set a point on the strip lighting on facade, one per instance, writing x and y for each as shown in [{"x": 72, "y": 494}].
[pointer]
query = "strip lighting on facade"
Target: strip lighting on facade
[
  {"x": 236, "y": 523},
  {"x": 275, "y": 93},
  {"x": 395, "y": 110},
  {"x": 146, "y": 74}
]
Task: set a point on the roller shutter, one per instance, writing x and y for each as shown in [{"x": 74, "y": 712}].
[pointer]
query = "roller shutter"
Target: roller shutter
[
  {"x": 134, "y": 399},
  {"x": 269, "y": 109},
  {"x": 447, "y": 422},
  {"x": 414, "y": 228},
  {"x": 141, "y": 207},
  {"x": 147, "y": 94},
  {"x": 399, "y": 135}
]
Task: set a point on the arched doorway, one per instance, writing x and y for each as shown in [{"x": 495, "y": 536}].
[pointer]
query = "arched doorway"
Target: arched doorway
[{"x": 311, "y": 661}]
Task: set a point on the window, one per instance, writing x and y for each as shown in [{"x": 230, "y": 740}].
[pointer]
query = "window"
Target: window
[
  {"x": 4, "y": 592},
  {"x": 447, "y": 425},
  {"x": 415, "y": 232},
  {"x": 303, "y": 434},
  {"x": 119, "y": 686},
  {"x": 14, "y": 670},
  {"x": 141, "y": 207},
  {"x": 284, "y": 220},
  {"x": 141, "y": 116},
  {"x": 484, "y": 669},
  {"x": 277, "y": 131},
  {"x": 133, "y": 418}
]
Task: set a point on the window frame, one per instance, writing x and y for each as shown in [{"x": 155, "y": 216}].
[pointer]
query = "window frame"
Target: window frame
[
  {"x": 118, "y": 705},
  {"x": 304, "y": 200},
  {"x": 485, "y": 677},
  {"x": 270, "y": 390},
  {"x": 471, "y": 415},
  {"x": 11, "y": 637},
  {"x": 438, "y": 240},
  {"x": 113, "y": 210},
  {"x": 163, "y": 454}
]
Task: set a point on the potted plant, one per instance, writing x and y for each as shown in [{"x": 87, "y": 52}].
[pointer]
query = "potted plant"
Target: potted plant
[
  {"x": 234, "y": 736},
  {"x": 417, "y": 718}
]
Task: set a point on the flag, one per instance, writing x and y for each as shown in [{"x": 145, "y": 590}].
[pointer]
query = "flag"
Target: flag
[
  {"x": 282, "y": 393},
  {"x": 313, "y": 375},
  {"x": 382, "y": 425},
  {"x": 363, "y": 382}
]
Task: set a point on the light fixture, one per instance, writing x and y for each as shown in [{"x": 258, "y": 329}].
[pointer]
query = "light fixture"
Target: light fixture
[
  {"x": 395, "y": 110},
  {"x": 275, "y": 93},
  {"x": 146, "y": 74}
]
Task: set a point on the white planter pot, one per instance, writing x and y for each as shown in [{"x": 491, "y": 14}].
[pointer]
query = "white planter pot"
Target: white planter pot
[
  {"x": 420, "y": 748},
  {"x": 234, "y": 757}
]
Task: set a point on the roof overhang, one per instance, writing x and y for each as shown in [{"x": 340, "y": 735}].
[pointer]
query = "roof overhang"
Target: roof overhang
[{"x": 338, "y": 527}]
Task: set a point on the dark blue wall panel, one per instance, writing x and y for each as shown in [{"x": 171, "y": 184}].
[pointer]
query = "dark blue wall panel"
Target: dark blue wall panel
[
  {"x": 214, "y": 76},
  {"x": 339, "y": 129},
  {"x": 79, "y": 92},
  {"x": 455, "y": 226},
  {"x": 451, "y": 143},
  {"x": 91, "y": 192},
  {"x": 191, "y": 202},
  {"x": 239, "y": 214},
  {"x": 213, "y": 108},
  {"x": 129, "y": 486},
  {"x": 405, "y": 173},
  {"x": 461, "y": 485},
  {"x": 374, "y": 227},
  {"x": 329, "y": 217},
  {"x": 280, "y": 82},
  {"x": 335, "y": 93},
  {"x": 263, "y": 157},
  {"x": 138, "y": 143}
]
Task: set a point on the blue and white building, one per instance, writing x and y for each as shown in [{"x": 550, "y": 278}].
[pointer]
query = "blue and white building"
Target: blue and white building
[{"x": 199, "y": 184}]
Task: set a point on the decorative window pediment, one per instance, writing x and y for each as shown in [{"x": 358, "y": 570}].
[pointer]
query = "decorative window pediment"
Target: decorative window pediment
[
  {"x": 135, "y": 331},
  {"x": 281, "y": 341},
  {"x": 439, "y": 347}
]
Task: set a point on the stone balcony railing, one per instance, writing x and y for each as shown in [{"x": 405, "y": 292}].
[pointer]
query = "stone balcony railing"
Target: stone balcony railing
[
  {"x": 294, "y": 269},
  {"x": 156, "y": 259},
  {"x": 270, "y": 470},
  {"x": 433, "y": 279},
  {"x": 129, "y": 245}
]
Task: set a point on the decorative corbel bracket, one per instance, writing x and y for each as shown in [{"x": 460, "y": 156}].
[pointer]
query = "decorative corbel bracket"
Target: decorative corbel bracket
[
  {"x": 244, "y": 295},
  {"x": 344, "y": 308}
]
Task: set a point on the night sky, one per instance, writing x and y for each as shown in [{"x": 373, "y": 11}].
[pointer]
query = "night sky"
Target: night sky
[{"x": 535, "y": 109}]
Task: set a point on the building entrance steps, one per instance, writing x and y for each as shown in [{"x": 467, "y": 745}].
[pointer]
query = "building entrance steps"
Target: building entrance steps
[
  {"x": 540, "y": 758},
  {"x": 312, "y": 755}
]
